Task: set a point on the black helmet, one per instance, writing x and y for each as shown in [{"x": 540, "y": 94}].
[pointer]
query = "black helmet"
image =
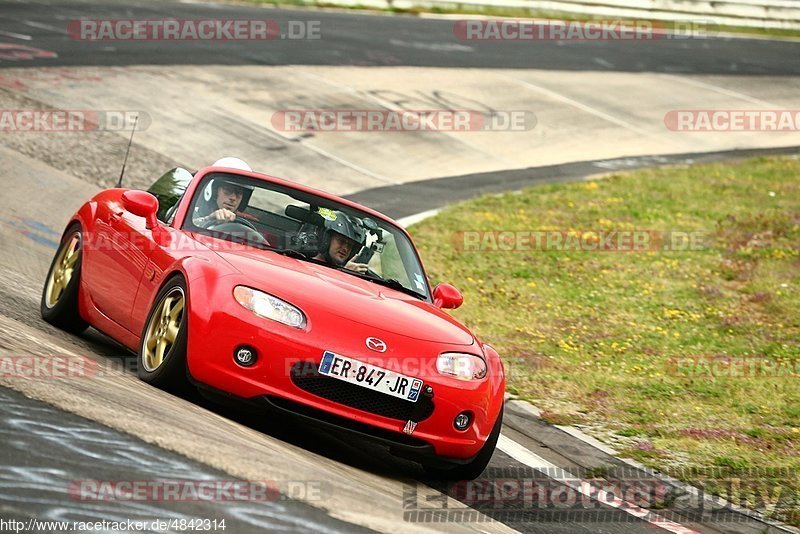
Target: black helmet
[{"x": 349, "y": 227}]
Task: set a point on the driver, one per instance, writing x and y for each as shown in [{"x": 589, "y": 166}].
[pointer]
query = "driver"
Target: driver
[
  {"x": 227, "y": 198},
  {"x": 341, "y": 240},
  {"x": 226, "y": 195}
]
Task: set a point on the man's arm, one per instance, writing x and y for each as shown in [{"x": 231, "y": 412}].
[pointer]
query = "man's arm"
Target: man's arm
[
  {"x": 357, "y": 267},
  {"x": 219, "y": 215}
]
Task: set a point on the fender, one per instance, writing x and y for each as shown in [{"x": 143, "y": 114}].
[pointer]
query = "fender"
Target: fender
[
  {"x": 203, "y": 279},
  {"x": 199, "y": 272},
  {"x": 85, "y": 217}
]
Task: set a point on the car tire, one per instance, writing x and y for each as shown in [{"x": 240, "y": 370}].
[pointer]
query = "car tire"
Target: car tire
[
  {"x": 161, "y": 359},
  {"x": 477, "y": 465},
  {"x": 59, "y": 304}
]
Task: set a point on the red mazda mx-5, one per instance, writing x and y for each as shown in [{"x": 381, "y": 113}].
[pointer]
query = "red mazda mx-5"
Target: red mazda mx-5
[{"x": 281, "y": 295}]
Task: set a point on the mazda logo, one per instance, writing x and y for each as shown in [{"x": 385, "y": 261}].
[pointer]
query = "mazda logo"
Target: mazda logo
[{"x": 373, "y": 343}]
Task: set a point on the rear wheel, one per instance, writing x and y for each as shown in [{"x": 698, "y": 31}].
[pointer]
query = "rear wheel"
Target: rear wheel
[
  {"x": 476, "y": 466},
  {"x": 162, "y": 349},
  {"x": 59, "y": 305}
]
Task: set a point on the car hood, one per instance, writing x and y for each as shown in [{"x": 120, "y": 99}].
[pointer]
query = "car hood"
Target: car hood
[{"x": 318, "y": 289}]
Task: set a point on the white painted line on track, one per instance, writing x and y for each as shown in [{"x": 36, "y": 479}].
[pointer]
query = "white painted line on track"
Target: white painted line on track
[
  {"x": 596, "y": 112},
  {"x": 16, "y": 35},
  {"x": 348, "y": 164},
  {"x": 584, "y": 487},
  {"x": 605, "y": 63},
  {"x": 34, "y": 24},
  {"x": 435, "y": 47},
  {"x": 405, "y": 222},
  {"x": 720, "y": 90}
]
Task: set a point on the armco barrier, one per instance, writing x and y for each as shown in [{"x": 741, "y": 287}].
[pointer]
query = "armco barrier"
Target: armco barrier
[{"x": 771, "y": 14}]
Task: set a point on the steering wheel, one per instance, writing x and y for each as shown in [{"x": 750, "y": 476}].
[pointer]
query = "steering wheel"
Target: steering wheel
[
  {"x": 219, "y": 222},
  {"x": 235, "y": 226}
]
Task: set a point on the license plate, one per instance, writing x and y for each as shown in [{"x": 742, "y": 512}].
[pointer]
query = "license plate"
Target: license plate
[{"x": 370, "y": 377}]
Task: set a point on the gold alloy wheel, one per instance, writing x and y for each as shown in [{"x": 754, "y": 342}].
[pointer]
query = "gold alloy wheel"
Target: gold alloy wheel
[
  {"x": 63, "y": 269},
  {"x": 162, "y": 330}
]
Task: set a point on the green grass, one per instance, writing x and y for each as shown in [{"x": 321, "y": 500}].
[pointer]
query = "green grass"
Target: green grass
[
  {"x": 591, "y": 337},
  {"x": 511, "y": 12}
]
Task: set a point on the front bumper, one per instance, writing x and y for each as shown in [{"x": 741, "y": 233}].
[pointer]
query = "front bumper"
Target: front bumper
[{"x": 214, "y": 335}]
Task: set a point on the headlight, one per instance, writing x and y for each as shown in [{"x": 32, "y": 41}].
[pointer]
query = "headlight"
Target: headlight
[
  {"x": 461, "y": 366},
  {"x": 265, "y": 305}
]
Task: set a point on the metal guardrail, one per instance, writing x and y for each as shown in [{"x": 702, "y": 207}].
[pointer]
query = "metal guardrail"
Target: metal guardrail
[{"x": 768, "y": 14}]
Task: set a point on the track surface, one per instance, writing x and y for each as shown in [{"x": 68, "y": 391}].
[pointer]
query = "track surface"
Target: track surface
[
  {"x": 374, "y": 40},
  {"x": 246, "y": 446}
]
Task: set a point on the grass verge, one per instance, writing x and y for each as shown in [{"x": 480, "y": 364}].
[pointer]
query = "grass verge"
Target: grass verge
[{"x": 683, "y": 355}]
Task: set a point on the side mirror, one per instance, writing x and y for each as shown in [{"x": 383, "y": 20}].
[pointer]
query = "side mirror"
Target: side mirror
[
  {"x": 142, "y": 204},
  {"x": 447, "y": 296}
]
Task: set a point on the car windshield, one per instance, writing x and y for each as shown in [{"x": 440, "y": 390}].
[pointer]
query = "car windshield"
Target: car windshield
[{"x": 280, "y": 219}]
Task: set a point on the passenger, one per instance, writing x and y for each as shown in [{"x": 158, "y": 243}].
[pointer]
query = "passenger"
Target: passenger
[{"x": 341, "y": 240}]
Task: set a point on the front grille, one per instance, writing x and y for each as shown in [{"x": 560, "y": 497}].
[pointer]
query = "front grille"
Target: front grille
[
  {"x": 297, "y": 408},
  {"x": 305, "y": 375}
]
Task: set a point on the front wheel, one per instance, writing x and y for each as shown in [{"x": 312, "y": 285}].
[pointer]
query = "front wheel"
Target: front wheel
[
  {"x": 59, "y": 305},
  {"x": 162, "y": 349},
  {"x": 476, "y": 466}
]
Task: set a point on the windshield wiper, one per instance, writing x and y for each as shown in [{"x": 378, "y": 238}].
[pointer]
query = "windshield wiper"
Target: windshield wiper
[{"x": 389, "y": 282}]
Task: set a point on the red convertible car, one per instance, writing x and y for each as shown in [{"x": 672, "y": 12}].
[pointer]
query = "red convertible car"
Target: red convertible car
[{"x": 279, "y": 295}]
